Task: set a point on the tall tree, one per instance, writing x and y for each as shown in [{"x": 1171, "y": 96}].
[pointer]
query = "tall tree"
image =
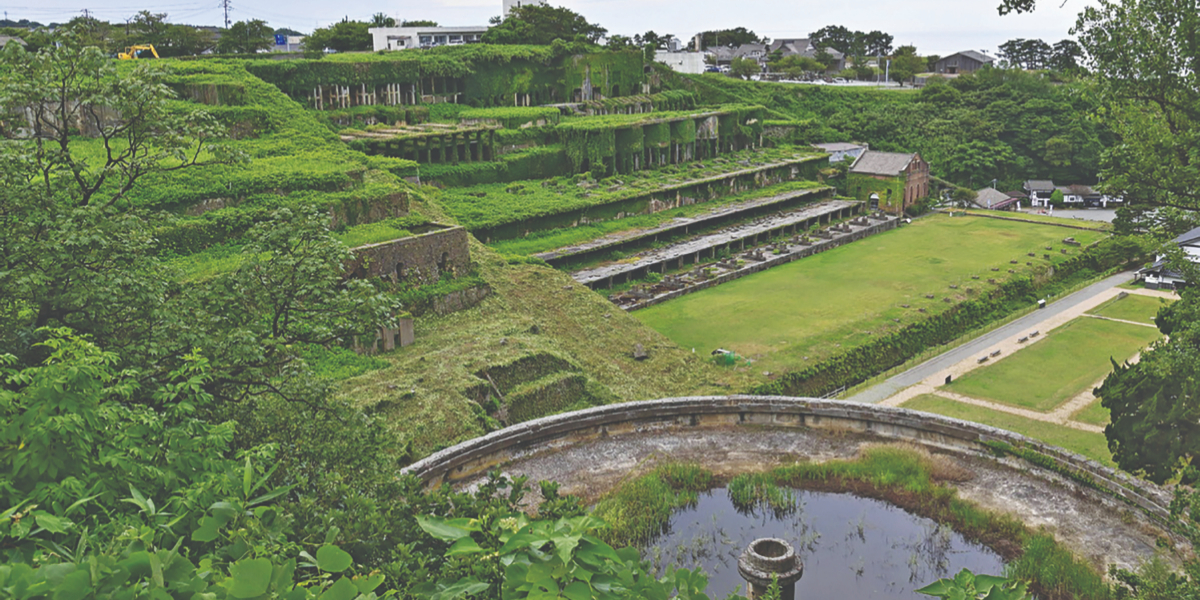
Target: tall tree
[
  {"x": 542, "y": 24},
  {"x": 382, "y": 20},
  {"x": 906, "y": 64},
  {"x": 877, "y": 43},
  {"x": 737, "y": 36},
  {"x": 1065, "y": 56},
  {"x": 344, "y": 36},
  {"x": 246, "y": 37},
  {"x": 1145, "y": 57}
]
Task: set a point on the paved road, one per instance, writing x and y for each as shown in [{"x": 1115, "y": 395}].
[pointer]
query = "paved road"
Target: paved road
[{"x": 946, "y": 360}]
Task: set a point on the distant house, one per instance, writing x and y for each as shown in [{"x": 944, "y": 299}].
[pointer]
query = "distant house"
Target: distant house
[
  {"x": 1039, "y": 191},
  {"x": 722, "y": 55},
  {"x": 1159, "y": 275},
  {"x": 839, "y": 151},
  {"x": 405, "y": 38},
  {"x": 804, "y": 47},
  {"x": 993, "y": 199},
  {"x": 889, "y": 181},
  {"x": 966, "y": 61},
  {"x": 756, "y": 52},
  {"x": 5, "y": 39}
]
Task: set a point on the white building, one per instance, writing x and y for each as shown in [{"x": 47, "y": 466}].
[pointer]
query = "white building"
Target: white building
[
  {"x": 682, "y": 62},
  {"x": 404, "y": 38},
  {"x": 1160, "y": 275},
  {"x": 511, "y": 4}
]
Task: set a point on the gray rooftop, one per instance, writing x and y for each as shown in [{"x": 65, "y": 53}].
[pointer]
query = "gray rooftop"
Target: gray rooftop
[
  {"x": 5, "y": 39},
  {"x": 979, "y": 56},
  {"x": 882, "y": 163},
  {"x": 1039, "y": 185},
  {"x": 838, "y": 146},
  {"x": 1189, "y": 238},
  {"x": 989, "y": 197}
]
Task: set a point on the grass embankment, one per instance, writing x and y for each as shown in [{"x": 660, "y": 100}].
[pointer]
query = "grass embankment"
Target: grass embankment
[
  {"x": 492, "y": 205},
  {"x": 787, "y": 317},
  {"x": 534, "y": 310},
  {"x": 1093, "y": 414},
  {"x": 1086, "y": 443},
  {"x": 1139, "y": 309},
  {"x": 908, "y": 478},
  {"x": 1071, "y": 359},
  {"x": 545, "y": 241}
]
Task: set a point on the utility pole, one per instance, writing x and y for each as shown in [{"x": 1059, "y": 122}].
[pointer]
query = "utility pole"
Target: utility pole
[{"x": 225, "y": 5}]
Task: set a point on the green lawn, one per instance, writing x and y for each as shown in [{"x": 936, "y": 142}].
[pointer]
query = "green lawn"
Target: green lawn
[
  {"x": 1047, "y": 373},
  {"x": 1036, "y": 218},
  {"x": 842, "y": 298},
  {"x": 1093, "y": 414},
  {"x": 1091, "y": 445},
  {"x": 1141, "y": 309}
]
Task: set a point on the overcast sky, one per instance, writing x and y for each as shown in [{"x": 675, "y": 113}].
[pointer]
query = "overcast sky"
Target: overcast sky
[{"x": 933, "y": 26}]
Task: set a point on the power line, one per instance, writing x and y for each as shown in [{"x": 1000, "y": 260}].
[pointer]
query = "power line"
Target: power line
[{"x": 225, "y": 5}]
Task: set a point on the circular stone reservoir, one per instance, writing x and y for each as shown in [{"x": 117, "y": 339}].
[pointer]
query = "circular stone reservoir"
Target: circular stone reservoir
[{"x": 1103, "y": 516}]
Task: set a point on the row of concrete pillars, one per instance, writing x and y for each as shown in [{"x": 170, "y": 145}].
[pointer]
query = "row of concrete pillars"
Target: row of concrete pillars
[
  {"x": 453, "y": 148},
  {"x": 712, "y": 251}
]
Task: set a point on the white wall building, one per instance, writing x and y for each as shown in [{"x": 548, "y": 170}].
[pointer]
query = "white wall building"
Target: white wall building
[
  {"x": 682, "y": 62},
  {"x": 1160, "y": 275},
  {"x": 404, "y": 38}
]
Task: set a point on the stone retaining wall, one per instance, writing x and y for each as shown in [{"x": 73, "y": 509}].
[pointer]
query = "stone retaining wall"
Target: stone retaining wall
[
  {"x": 688, "y": 416},
  {"x": 422, "y": 258}
]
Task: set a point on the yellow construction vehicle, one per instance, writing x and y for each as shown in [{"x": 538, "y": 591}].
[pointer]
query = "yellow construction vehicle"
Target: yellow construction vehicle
[{"x": 131, "y": 53}]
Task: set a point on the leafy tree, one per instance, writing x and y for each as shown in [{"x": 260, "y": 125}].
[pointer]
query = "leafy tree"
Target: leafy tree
[
  {"x": 877, "y": 43},
  {"x": 419, "y": 23},
  {"x": 382, "y": 20},
  {"x": 344, "y": 36},
  {"x": 659, "y": 42},
  {"x": 841, "y": 39},
  {"x": 618, "y": 42},
  {"x": 745, "y": 67},
  {"x": 931, "y": 63},
  {"x": 737, "y": 36},
  {"x": 796, "y": 66},
  {"x": 906, "y": 64},
  {"x": 1026, "y": 54},
  {"x": 1065, "y": 56},
  {"x": 542, "y": 24},
  {"x": 288, "y": 31},
  {"x": 246, "y": 37}
]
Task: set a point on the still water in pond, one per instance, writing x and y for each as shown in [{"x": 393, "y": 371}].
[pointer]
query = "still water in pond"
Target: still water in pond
[{"x": 851, "y": 547}]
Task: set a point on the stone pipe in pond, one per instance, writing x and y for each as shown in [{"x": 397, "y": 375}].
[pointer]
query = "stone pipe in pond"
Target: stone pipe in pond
[{"x": 769, "y": 558}]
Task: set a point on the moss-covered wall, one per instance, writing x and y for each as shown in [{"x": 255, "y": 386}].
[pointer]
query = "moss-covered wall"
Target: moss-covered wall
[{"x": 890, "y": 190}]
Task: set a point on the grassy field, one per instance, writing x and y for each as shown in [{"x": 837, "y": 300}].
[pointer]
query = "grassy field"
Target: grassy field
[
  {"x": 1141, "y": 309},
  {"x": 1070, "y": 360},
  {"x": 1093, "y": 414},
  {"x": 1036, "y": 218},
  {"x": 1091, "y": 445},
  {"x": 791, "y": 315}
]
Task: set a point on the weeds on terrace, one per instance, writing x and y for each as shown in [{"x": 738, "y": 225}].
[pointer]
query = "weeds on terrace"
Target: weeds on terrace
[{"x": 640, "y": 508}]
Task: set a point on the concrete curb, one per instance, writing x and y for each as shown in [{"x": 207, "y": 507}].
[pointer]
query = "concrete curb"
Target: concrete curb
[{"x": 475, "y": 457}]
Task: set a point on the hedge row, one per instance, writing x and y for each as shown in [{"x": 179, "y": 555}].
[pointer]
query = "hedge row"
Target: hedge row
[
  {"x": 863, "y": 362},
  {"x": 542, "y": 162}
]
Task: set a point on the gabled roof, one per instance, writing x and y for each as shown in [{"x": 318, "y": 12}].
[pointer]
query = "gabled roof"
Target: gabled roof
[
  {"x": 1017, "y": 195},
  {"x": 882, "y": 163},
  {"x": 991, "y": 198},
  {"x": 979, "y": 56},
  {"x": 5, "y": 39},
  {"x": 1039, "y": 185},
  {"x": 747, "y": 49},
  {"x": 1188, "y": 239}
]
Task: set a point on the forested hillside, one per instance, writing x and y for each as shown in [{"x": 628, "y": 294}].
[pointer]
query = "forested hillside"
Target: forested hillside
[{"x": 1007, "y": 125}]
